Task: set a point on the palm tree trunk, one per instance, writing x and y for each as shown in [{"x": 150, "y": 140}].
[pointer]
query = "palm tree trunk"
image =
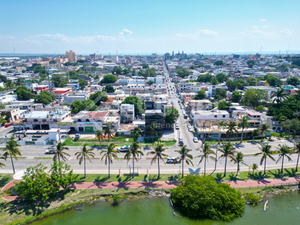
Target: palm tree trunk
[
  {"x": 158, "y": 168},
  {"x": 182, "y": 168},
  {"x": 58, "y": 158},
  {"x": 220, "y": 137},
  {"x": 265, "y": 166},
  {"x": 204, "y": 166},
  {"x": 108, "y": 168},
  {"x": 133, "y": 166},
  {"x": 282, "y": 164},
  {"x": 297, "y": 162},
  {"x": 12, "y": 163},
  {"x": 242, "y": 135},
  {"x": 238, "y": 168},
  {"x": 225, "y": 166},
  {"x": 84, "y": 167}
]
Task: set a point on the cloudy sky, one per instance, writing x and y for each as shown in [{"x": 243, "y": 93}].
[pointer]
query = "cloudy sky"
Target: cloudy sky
[{"x": 35, "y": 26}]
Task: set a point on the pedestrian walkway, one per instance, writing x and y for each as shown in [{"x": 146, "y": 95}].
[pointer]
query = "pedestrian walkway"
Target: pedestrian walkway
[{"x": 164, "y": 184}]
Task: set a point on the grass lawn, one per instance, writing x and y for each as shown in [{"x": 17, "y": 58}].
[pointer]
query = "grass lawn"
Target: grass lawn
[
  {"x": 126, "y": 178},
  {"x": 116, "y": 139}
]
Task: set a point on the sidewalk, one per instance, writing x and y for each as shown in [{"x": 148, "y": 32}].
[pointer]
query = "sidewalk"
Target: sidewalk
[{"x": 163, "y": 184}]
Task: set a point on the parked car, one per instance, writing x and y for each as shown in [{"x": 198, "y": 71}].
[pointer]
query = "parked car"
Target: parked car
[
  {"x": 7, "y": 125},
  {"x": 51, "y": 151},
  {"x": 177, "y": 126},
  {"x": 124, "y": 148},
  {"x": 195, "y": 139},
  {"x": 172, "y": 160},
  {"x": 191, "y": 129},
  {"x": 77, "y": 136},
  {"x": 180, "y": 142}
]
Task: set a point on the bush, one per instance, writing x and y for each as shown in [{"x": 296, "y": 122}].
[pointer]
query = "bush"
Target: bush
[
  {"x": 252, "y": 198},
  {"x": 116, "y": 199},
  {"x": 275, "y": 134},
  {"x": 202, "y": 197}
]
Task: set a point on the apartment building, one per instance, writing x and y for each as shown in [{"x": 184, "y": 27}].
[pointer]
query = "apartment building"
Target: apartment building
[
  {"x": 127, "y": 113},
  {"x": 71, "y": 56}
]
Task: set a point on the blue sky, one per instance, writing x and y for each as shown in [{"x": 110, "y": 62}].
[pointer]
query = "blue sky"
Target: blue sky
[{"x": 41, "y": 26}]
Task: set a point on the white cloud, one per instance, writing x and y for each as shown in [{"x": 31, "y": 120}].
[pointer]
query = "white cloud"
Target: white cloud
[
  {"x": 288, "y": 33},
  {"x": 263, "y": 20},
  {"x": 126, "y": 32},
  {"x": 266, "y": 26},
  {"x": 255, "y": 27},
  {"x": 199, "y": 34}
]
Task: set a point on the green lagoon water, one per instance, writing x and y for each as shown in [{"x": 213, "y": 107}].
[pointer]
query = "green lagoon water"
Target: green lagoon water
[{"x": 282, "y": 210}]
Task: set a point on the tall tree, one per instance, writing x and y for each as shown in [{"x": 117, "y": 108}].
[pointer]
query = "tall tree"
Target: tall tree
[
  {"x": 284, "y": 151},
  {"x": 185, "y": 157},
  {"x": 11, "y": 150},
  {"x": 227, "y": 150},
  {"x": 108, "y": 130},
  {"x": 279, "y": 96},
  {"x": 221, "y": 125},
  {"x": 151, "y": 130},
  {"x": 135, "y": 133},
  {"x": 84, "y": 154},
  {"x": 109, "y": 155},
  {"x": 266, "y": 153},
  {"x": 134, "y": 152},
  {"x": 99, "y": 136},
  {"x": 231, "y": 129},
  {"x": 244, "y": 124},
  {"x": 158, "y": 153},
  {"x": 61, "y": 152},
  {"x": 297, "y": 151},
  {"x": 264, "y": 129},
  {"x": 239, "y": 158},
  {"x": 205, "y": 154}
]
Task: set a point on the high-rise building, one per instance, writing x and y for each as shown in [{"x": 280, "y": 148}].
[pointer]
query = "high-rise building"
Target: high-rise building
[
  {"x": 182, "y": 54},
  {"x": 72, "y": 57},
  {"x": 172, "y": 54}
]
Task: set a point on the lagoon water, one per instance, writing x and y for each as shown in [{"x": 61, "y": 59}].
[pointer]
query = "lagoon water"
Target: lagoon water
[{"x": 282, "y": 210}]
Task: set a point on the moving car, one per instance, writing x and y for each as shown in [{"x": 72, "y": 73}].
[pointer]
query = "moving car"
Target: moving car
[
  {"x": 51, "y": 151},
  {"x": 177, "y": 126},
  {"x": 180, "y": 142},
  {"x": 195, "y": 139},
  {"x": 77, "y": 136},
  {"x": 7, "y": 125},
  {"x": 172, "y": 160},
  {"x": 191, "y": 129},
  {"x": 124, "y": 148}
]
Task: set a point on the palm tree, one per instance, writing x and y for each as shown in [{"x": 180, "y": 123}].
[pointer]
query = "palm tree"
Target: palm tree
[
  {"x": 19, "y": 82},
  {"x": 265, "y": 152},
  {"x": 239, "y": 159},
  {"x": 297, "y": 150},
  {"x": 108, "y": 130},
  {"x": 231, "y": 129},
  {"x": 109, "y": 155},
  {"x": 185, "y": 157},
  {"x": 279, "y": 96},
  {"x": 135, "y": 133},
  {"x": 244, "y": 124},
  {"x": 254, "y": 132},
  {"x": 227, "y": 150},
  {"x": 221, "y": 125},
  {"x": 264, "y": 129},
  {"x": 254, "y": 167},
  {"x": 134, "y": 152},
  {"x": 152, "y": 130},
  {"x": 9, "y": 84},
  {"x": 158, "y": 153},
  {"x": 284, "y": 151},
  {"x": 11, "y": 150},
  {"x": 60, "y": 152},
  {"x": 99, "y": 135},
  {"x": 206, "y": 151},
  {"x": 84, "y": 154}
]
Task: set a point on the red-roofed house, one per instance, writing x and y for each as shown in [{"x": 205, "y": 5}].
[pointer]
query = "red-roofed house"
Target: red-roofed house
[{"x": 61, "y": 92}]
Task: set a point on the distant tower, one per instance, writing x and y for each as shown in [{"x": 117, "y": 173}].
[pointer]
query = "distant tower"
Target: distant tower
[
  {"x": 172, "y": 54},
  {"x": 182, "y": 54}
]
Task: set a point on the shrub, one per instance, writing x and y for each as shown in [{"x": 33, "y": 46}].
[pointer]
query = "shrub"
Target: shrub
[
  {"x": 116, "y": 199},
  {"x": 202, "y": 197},
  {"x": 252, "y": 198}
]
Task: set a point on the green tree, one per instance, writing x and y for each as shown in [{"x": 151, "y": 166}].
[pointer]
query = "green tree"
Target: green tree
[
  {"x": 171, "y": 115},
  {"x": 139, "y": 104},
  {"x": 181, "y": 72},
  {"x": 221, "y": 125},
  {"x": 61, "y": 152},
  {"x": 135, "y": 133},
  {"x": 284, "y": 151},
  {"x": 145, "y": 66},
  {"x": 239, "y": 158},
  {"x": 151, "y": 130},
  {"x": 44, "y": 97},
  {"x": 158, "y": 153},
  {"x": 108, "y": 130},
  {"x": 201, "y": 197},
  {"x": 227, "y": 150},
  {"x": 126, "y": 71},
  {"x": 266, "y": 153},
  {"x": 150, "y": 82},
  {"x": 264, "y": 129},
  {"x": 250, "y": 63},
  {"x": 20, "y": 81},
  {"x": 273, "y": 80},
  {"x": 78, "y": 106},
  {"x": 219, "y": 63},
  {"x": 236, "y": 97},
  {"x": 297, "y": 151},
  {"x": 98, "y": 97},
  {"x": 24, "y": 94},
  {"x": 260, "y": 108},
  {"x": 82, "y": 83},
  {"x": 244, "y": 124},
  {"x": 117, "y": 70},
  {"x": 9, "y": 84},
  {"x": 200, "y": 95},
  {"x": 296, "y": 62},
  {"x": 253, "y": 97},
  {"x": 223, "y": 105},
  {"x": 99, "y": 135},
  {"x": 109, "y": 155},
  {"x": 293, "y": 81},
  {"x": 252, "y": 81},
  {"x": 220, "y": 94},
  {"x": 279, "y": 96},
  {"x": 254, "y": 167},
  {"x": 204, "y": 78},
  {"x": 205, "y": 154},
  {"x": 133, "y": 152},
  {"x": 214, "y": 81},
  {"x": 84, "y": 154},
  {"x": 185, "y": 157},
  {"x": 59, "y": 80},
  {"x": 221, "y": 77},
  {"x": 73, "y": 75},
  {"x": 11, "y": 150},
  {"x": 109, "y": 89},
  {"x": 109, "y": 79}
]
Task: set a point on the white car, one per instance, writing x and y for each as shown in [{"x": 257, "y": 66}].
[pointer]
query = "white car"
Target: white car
[
  {"x": 195, "y": 139},
  {"x": 124, "y": 148},
  {"x": 191, "y": 129}
]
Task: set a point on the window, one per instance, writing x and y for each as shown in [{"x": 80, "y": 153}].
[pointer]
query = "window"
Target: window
[
  {"x": 44, "y": 120},
  {"x": 87, "y": 120},
  {"x": 35, "y": 120},
  {"x": 223, "y": 116},
  {"x": 216, "y": 116},
  {"x": 54, "y": 120},
  {"x": 79, "y": 120}
]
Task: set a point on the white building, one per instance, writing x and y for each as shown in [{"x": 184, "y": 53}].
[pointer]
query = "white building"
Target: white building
[{"x": 127, "y": 113}]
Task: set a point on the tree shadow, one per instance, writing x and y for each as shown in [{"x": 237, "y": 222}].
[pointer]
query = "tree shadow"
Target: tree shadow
[
  {"x": 174, "y": 177},
  {"x": 257, "y": 176},
  {"x": 291, "y": 173},
  {"x": 4, "y": 180},
  {"x": 101, "y": 179},
  {"x": 234, "y": 177},
  {"x": 219, "y": 176},
  {"x": 277, "y": 174}
]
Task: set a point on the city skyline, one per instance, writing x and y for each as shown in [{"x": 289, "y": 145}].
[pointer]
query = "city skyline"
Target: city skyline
[{"x": 144, "y": 27}]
